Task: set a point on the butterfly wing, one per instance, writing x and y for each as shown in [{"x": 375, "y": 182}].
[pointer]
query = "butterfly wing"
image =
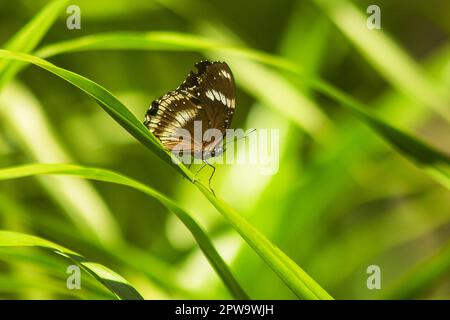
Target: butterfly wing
[{"x": 207, "y": 96}]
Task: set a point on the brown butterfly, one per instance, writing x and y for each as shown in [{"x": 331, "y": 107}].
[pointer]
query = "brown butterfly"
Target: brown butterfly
[{"x": 206, "y": 97}]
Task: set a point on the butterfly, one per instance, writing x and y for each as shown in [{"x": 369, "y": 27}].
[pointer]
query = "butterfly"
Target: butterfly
[{"x": 206, "y": 97}]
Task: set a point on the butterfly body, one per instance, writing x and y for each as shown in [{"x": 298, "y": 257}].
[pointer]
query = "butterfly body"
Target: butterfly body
[{"x": 202, "y": 107}]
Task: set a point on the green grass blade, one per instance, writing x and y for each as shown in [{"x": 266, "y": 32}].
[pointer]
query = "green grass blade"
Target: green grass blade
[
  {"x": 435, "y": 163},
  {"x": 156, "y": 40},
  {"x": 29, "y": 37},
  {"x": 111, "y": 280},
  {"x": 291, "y": 274},
  {"x": 394, "y": 64},
  {"x": 283, "y": 266},
  {"x": 198, "y": 233}
]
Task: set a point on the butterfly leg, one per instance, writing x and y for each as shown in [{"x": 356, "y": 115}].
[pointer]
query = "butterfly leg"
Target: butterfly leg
[
  {"x": 198, "y": 170},
  {"x": 191, "y": 162},
  {"x": 212, "y": 174}
]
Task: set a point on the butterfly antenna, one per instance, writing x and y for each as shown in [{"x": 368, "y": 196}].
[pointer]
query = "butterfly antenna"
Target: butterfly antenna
[
  {"x": 241, "y": 137},
  {"x": 190, "y": 164}
]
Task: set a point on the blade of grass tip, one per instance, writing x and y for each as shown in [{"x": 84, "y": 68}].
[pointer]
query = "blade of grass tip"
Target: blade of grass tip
[
  {"x": 29, "y": 37},
  {"x": 301, "y": 24},
  {"x": 111, "y": 280},
  {"x": 295, "y": 278},
  {"x": 197, "y": 232},
  {"x": 160, "y": 272},
  {"x": 386, "y": 56}
]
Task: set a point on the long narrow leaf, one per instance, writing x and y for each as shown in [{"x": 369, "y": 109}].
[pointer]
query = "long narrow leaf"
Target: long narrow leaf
[
  {"x": 435, "y": 162},
  {"x": 111, "y": 280},
  {"x": 29, "y": 37}
]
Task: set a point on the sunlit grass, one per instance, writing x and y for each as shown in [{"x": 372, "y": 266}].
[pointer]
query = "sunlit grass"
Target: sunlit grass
[{"x": 359, "y": 178}]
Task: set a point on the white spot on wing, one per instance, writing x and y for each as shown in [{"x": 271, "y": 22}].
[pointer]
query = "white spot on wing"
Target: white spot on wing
[
  {"x": 209, "y": 94},
  {"x": 216, "y": 94},
  {"x": 184, "y": 116},
  {"x": 181, "y": 119},
  {"x": 222, "y": 98},
  {"x": 225, "y": 74}
]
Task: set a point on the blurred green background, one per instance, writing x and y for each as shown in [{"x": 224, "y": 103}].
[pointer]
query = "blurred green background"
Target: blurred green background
[{"x": 342, "y": 200}]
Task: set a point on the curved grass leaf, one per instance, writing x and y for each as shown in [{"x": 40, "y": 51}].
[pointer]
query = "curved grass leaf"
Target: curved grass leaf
[
  {"x": 200, "y": 236},
  {"x": 157, "y": 40},
  {"x": 433, "y": 161},
  {"x": 288, "y": 271},
  {"x": 111, "y": 280}
]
